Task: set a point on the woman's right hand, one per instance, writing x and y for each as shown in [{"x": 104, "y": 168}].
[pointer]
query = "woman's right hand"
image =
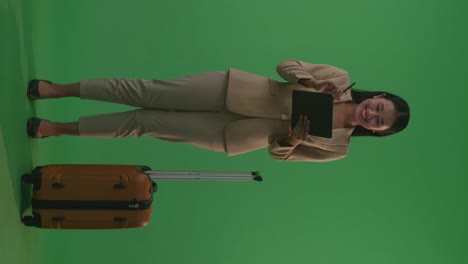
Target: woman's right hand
[
  {"x": 300, "y": 132},
  {"x": 330, "y": 88},
  {"x": 325, "y": 87}
]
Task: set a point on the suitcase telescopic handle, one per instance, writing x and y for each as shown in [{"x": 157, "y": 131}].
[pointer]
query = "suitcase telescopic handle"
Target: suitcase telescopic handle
[{"x": 204, "y": 175}]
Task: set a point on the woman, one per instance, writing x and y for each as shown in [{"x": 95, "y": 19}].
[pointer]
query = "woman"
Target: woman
[{"x": 232, "y": 111}]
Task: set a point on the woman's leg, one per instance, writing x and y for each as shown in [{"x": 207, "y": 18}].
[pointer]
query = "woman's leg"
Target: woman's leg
[
  {"x": 201, "y": 92},
  {"x": 201, "y": 129},
  {"x": 54, "y": 90},
  {"x": 48, "y": 128}
]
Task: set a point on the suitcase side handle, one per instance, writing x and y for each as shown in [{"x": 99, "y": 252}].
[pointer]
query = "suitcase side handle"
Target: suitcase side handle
[
  {"x": 118, "y": 222},
  {"x": 58, "y": 185}
]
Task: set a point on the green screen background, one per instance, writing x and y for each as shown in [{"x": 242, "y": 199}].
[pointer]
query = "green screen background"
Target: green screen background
[{"x": 400, "y": 199}]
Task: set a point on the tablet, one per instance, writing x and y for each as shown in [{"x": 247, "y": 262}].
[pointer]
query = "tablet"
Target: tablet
[{"x": 318, "y": 107}]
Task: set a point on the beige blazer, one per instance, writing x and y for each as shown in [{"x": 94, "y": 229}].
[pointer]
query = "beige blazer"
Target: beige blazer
[{"x": 268, "y": 103}]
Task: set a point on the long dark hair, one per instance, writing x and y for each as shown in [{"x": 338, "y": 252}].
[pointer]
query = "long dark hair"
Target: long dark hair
[{"x": 401, "y": 107}]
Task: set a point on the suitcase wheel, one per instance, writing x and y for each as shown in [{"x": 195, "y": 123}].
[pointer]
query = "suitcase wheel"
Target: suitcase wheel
[
  {"x": 38, "y": 169},
  {"x": 33, "y": 178},
  {"x": 30, "y": 221},
  {"x": 27, "y": 179}
]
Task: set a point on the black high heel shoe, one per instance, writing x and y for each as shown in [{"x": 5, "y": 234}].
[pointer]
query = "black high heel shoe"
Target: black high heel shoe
[
  {"x": 32, "y": 127},
  {"x": 33, "y": 89}
]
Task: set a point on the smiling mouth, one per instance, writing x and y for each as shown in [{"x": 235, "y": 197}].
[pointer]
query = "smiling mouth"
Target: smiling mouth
[{"x": 364, "y": 114}]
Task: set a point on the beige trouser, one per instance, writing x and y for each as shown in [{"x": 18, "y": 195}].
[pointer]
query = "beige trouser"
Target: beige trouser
[{"x": 190, "y": 109}]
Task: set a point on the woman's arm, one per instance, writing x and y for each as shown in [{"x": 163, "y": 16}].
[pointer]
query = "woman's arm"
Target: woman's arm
[
  {"x": 301, "y": 153},
  {"x": 282, "y": 147},
  {"x": 312, "y": 75},
  {"x": 293, "y": 72}
]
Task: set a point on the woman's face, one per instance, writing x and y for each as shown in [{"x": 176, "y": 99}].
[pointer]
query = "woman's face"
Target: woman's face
[{"x": 376, "y": 114}]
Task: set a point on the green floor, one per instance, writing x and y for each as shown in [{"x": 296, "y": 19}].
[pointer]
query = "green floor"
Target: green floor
[
  {"x": 396, "y": 200},
  {"x": 17, "y": 244}
]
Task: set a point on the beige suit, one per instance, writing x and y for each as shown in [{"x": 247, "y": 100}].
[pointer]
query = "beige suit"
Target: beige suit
[{"x": 236, "y": 112}]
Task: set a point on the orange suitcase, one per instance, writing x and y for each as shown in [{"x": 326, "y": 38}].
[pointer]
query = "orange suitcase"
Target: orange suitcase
[{"x": 102, "y": 196}]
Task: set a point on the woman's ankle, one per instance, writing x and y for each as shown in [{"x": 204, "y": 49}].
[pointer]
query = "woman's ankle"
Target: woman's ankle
[{"x": 54, "y": 90}]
